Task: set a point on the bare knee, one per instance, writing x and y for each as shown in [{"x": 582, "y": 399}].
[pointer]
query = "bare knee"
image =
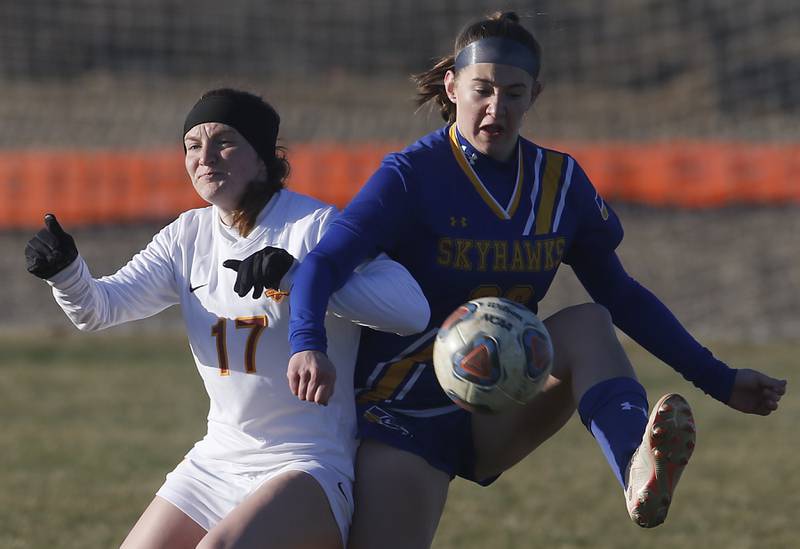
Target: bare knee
[
  {"x": 586, "y": 347},
  {"x": 581, "y": 329},
  {"x": 586, "y": 318}
]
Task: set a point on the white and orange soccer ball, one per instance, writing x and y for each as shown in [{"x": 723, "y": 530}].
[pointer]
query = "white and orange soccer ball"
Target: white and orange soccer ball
[{"x": 492, "y": 354}]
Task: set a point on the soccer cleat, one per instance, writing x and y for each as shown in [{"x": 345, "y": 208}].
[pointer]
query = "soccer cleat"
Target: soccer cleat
[{"x": 657, "y": 464}]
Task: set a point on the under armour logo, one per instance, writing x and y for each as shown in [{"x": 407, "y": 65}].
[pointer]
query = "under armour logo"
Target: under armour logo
[
  {"x": 601, "y": 205},
  {"x": 627, "y": 406},
  {"x": 472, "y": 158},
  {"x": 454, "y": 221}
]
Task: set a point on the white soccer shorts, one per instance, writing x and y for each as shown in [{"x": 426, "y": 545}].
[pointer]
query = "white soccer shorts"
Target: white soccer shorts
[{"x": 206, "y": 494}]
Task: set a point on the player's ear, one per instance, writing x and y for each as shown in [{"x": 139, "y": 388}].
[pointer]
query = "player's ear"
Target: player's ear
[
  {"x": 263, "y": 171},
  {"x": 535, "y": 91},
  {"x": 450, "y": 85}
]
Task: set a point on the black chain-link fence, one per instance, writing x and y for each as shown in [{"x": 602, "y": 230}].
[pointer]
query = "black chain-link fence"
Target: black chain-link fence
[{"x": 121, "y": 72}]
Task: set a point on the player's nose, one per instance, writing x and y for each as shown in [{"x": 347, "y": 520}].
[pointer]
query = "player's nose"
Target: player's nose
[{"x": 208, "y": 156}]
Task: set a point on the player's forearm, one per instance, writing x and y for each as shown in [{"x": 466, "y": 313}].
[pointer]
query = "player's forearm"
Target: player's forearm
[
  {"x": 311, "y": 289},
  {"x": 641, "y": 315},
  {"x": 77, "y": 294},
  {"x": 133, "y": 293},
  {"x": 368, "y": 224},
  {"x": 652, "y": 325},
  {"x": 322, "y": 272}
]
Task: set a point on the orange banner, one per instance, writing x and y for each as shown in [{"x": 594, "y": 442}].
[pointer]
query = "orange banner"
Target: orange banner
[{"x": 96, "y": 187}]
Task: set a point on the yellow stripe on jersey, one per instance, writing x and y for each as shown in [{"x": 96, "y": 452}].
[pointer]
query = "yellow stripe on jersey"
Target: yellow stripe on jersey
[
  {"x": 394, "y": 376},
  {"x": 487, "y": 197},
  {"x": 512, "y": 206},
  {"x": 552, "y": 176}
]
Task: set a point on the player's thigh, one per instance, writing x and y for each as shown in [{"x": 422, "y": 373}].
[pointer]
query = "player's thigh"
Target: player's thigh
[
  {"x": 503, "y": 440},
  {"x": 162, "y": 525},
  {"x": 583, "y": 338},
  {"x": 586, "y": 347},
  {"x": 399, "y": 499},
  {"x": 290, "y": 510}
]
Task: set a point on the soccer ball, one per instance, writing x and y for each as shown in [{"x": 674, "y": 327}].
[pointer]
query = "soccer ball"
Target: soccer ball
[{"x": 492, "y": 354}]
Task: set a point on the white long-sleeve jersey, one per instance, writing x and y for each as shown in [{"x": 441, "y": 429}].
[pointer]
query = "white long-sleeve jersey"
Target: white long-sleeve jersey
[{"x": 240, "y": 344}]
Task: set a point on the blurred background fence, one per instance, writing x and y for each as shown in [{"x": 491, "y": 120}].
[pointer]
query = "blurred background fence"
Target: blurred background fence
[{"x": 681, "y": 104}]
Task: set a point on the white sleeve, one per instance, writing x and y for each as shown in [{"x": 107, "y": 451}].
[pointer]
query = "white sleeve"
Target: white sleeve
[
  {"x": 381, "y": 294},
  {"x": 142, "y": 288}
]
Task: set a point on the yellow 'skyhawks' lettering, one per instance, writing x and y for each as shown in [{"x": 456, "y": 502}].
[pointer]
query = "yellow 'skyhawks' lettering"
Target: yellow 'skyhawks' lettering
[
  {"x": 549, "y": 245},
  {"x": 445, "y": 252},
  {"x": 462, "y": 263},
  {"x": 500, "y": 255},
  {"x": 534, "y": 252},
  {"x": 522, "y": 255},
  {"x": 483, "y": 249},
  {"x": 517, "y": 265}
]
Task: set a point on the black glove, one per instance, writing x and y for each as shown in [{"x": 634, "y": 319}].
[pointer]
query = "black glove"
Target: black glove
[
  {"x": 51, "y": 250},
  {"x": 263, "y": 269}
]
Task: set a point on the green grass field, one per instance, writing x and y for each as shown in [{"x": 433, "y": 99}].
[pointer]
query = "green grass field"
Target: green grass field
[{"x": 92, "y": 423}]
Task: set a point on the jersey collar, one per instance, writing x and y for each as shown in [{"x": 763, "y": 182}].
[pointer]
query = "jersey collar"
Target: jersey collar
[{"x": 467, "y": 156}]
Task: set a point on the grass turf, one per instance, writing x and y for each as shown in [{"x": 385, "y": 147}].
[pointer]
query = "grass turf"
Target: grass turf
[{"x": 93, "y": 422}]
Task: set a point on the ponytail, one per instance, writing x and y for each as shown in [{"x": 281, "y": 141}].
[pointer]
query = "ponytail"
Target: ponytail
[{"x": 430, "y": 87}]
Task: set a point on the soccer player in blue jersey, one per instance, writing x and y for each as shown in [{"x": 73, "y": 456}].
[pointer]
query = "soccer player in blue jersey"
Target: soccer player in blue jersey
[{"x": 472, "y": 210}]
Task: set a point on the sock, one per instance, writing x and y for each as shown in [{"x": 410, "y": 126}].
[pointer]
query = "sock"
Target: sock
[{"x": 615, "y": 412}]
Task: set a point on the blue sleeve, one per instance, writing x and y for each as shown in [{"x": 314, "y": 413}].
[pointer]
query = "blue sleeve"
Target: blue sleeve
[
  {"x": 370, "y": 223},
  {"x": 599, "y": 229},
  {"x": 641, "y": 315}
]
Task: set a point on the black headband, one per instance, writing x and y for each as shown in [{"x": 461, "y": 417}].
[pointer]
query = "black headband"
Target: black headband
[
  {"x": 256, "y": 120},
  {"x": 502, "y": 51}
]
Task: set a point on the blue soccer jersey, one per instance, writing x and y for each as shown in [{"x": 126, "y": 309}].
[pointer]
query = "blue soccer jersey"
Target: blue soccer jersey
[
  {"x": 470, "y": 227},
  {"x": 467, "y": 226}
]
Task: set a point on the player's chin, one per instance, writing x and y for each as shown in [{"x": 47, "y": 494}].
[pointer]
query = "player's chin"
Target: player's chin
[
  {"x": 218, "y": 194},
  {"x": 206, "y": 190},
  {"x": 498, "y": 148}
]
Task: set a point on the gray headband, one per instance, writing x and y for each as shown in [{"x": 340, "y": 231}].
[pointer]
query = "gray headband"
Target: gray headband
[{"x": 501, "y": 51}]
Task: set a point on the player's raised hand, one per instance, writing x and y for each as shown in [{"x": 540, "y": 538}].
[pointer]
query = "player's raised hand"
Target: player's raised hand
[
  {"x": 50, "y": 250},
  {"x": 312, "y": 376},
  {"x": 262, "y": 269},
  {"x": 756, "y": 393}
]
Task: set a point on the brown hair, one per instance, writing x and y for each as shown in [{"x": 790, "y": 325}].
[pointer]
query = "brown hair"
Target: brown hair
[
  {"x": 430, "y": 84},
  {"x": 258, "y": 193}
]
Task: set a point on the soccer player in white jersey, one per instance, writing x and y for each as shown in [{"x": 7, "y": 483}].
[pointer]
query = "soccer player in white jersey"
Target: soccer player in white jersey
[{"x": 268, "y": 460}]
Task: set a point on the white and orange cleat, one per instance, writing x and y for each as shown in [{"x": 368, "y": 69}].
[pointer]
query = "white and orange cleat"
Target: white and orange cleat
[{"x": 657, "y": 464}]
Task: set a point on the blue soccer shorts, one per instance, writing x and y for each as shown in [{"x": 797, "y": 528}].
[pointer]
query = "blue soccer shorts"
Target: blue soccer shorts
[{"x": 444, "y": 441}]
